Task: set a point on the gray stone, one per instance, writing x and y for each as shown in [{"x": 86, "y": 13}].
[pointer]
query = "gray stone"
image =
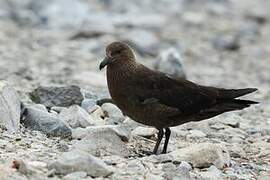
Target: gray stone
[
  {"x": 144, "y": 132},
  {"x": 123, "y": 132},
  {"x": 114, "y": 114},
  {"x": 184, "y": 169},
  {"x": 203, "y": 155},
  {"x": 76, "y": 160},
  {"x": 171, "y": 63},
  {"x": 102, "y": 141},
  {"x": 37, "y": 119},
  {"x": 172, "y": 172},
  {"x": 75, "y": 116},
  {"x": 57, "y": 96},
  {"x": 88, "y": 104},
  {"x": 10, "y": 107}
]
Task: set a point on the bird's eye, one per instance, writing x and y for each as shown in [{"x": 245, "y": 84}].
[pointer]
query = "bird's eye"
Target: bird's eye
[{"x": 116, "y": 52}]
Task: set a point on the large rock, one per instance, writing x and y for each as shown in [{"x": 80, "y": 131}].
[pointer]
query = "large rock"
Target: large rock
[
  {"x": 9, "y": 107},
  {"x": 113, "y": 113},
  {"x": 121, "y": 130},
  {"x": 57, "y": 96},
  {"x": 80, "y": 161},
  {"x": 101, "y": 141},
  {"x": 48, "y": 123},
  {"x": 171, "y": 63},
  {"x": 203, "y": 155},
  {"x": 75, "y": 116}
]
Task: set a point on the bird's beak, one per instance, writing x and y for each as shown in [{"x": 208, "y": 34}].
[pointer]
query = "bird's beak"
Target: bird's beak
[{"x": 104, "y": 63}]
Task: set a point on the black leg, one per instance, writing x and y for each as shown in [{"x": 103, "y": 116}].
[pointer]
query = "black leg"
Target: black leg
[
  {"x": 160, "y": 136},
  {"x": 167, "y": 138}
]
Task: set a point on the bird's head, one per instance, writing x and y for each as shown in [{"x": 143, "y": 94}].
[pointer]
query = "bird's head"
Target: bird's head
[{"x": 117, "y": 52}]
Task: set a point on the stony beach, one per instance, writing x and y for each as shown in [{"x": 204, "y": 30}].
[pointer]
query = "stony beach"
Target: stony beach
[{"x": 52, "y": 128}]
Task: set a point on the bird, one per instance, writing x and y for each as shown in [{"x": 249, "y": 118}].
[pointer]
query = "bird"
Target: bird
[{"x": 155, "y": 99}]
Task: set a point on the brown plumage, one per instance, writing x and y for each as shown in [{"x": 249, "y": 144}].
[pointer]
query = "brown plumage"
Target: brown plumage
[{"x": 152, "y": 98}]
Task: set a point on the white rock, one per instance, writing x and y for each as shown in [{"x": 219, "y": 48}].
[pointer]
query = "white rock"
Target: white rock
[
  {"x": 80, "y": 161},
  {"x": 98, "y": 116},
  {"x": 203, "y": 155},
  {"x": 144, "y": 132},
  {"x": 102, "y": 141},
  {"x": 76, "y": 116},
  {"x": 114, "y": 114},
  {"x": 40, "y": 107},
  {"x": 10, "y": 107}
]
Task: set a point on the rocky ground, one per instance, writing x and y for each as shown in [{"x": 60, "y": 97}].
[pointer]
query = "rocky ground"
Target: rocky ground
[{"x": 48, "y": 46}]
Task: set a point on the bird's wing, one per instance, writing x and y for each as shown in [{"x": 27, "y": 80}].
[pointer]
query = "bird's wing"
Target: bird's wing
[{"x": 154, "y": 87}]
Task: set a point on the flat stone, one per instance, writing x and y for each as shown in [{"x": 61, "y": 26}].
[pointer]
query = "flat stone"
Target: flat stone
[
  {"x": 120, "y": 130},
  {"x": 77, "y": 160},
  {"x": 144, "y": 132},
  {"x": 10, "y": 107},
  {"x": 203, "y": 155},
  {"x": 46, "y": 122},
  {"x": 101, "y": 141},
  {"x": 57, "y": 96}
]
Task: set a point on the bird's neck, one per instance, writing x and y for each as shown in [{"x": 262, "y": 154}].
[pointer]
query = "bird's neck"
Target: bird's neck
[
  {"x": 120, "y": 69},
  {"x": 117, "y": 73}
]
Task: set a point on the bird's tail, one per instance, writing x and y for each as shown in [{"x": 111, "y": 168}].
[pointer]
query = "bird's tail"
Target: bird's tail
[
  {"x": 234, "y": 93},
  {"x": 229, "y": 103}
]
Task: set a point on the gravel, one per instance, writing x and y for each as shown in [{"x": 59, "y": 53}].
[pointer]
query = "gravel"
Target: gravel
[{"x": 59, "y": 44}]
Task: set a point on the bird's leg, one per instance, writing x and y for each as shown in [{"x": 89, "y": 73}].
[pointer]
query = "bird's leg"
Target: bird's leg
[
  {"x": 160, "y": 136},
  {"x": 167, "y": 138}
]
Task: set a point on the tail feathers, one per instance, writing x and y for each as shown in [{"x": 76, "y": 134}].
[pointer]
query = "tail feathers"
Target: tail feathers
[
  {"x": 246, "y": 102},
  {"x": 234, "y": 93},
  {"x": 235, "y": 104}
]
